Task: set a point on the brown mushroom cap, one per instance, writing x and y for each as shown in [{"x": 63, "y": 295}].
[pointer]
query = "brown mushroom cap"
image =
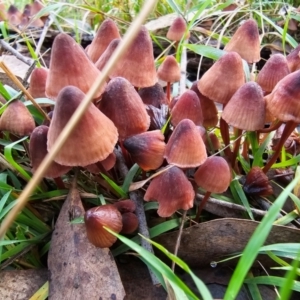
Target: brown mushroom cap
[
  {"x": 177, "y": 30},
  {"x": 37, "y": 84},
  {"x": 17, "y": 119},
  {"x": 14, "y": 16},
  {"x": 105, "y": 34},
  {"x": 123, "y": 105},
  {"x": 98, "y": 217},
  {"x": 130, "y": 223},
  {"x": 93, "y": 138},
  {"x": 124, "y": 206},
  {"x": 185, "y": 147},
  {"x": 257, "y": 183},
  {"x": 169, "y": 70},
  {"x": 147, "y": 149},
  {"x": 138, "y": 57},
  {"x": 293, "y": 59},
  {"x": 209, "y": 109},
  {"x": 153, "y": 95},
  {"x": 283, "y": 103},
  {"x": 223, "y": 79},
  {"x": 272, "y": 72},
  {"x": 246, "y": 109},
  {"x": 246, "y": 42},
  {"x": 69, "y": 65},
  {"x": 187, "y": 107},
  {"x": 38, "y": 151},
  {"x": 172, "y": 190},
  {"x": 108, "y": 163},
  {"x": 103, "y": 59},
  {"x": 214, "y": 175}
]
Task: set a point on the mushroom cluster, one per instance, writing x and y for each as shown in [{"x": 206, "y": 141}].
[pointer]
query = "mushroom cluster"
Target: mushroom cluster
[{"x": 131, "y": 110}]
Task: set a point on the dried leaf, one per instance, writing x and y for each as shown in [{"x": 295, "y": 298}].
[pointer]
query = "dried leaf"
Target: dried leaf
[
  {"x": 79, "y": 270},
  {"x": 21, "y": 284},
  {"x": 211, "y": 241}
]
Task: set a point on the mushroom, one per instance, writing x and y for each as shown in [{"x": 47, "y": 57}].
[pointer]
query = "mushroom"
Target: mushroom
[
  {"x": 214, "y": 176},
  {"x": 185, "y": 147},
  {"x": 246, "y": 42},
  {"x": 96, "y": 219},
  {"x": 93, "y": 138},
  {"x": 172, "y": 190}
]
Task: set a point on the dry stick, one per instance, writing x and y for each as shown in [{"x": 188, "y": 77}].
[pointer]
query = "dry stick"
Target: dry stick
[
  {"x": 288, "y": 129},
  {"x": 24, "y": 59},
  {"x": 99, "y": 81},
  {"x": 48, "y": 23},
  {"x": 22, "y": 88},
  {"x": 177, "y": 245},
  {"x": 137, "y": 198}
]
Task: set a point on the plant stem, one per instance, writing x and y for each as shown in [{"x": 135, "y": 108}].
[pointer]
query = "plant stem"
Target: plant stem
[
  {"x": 179, "y": 238},
  {"x": 201, "y": 205},
  {"x": 236, "y": 147},
  {"x": 225, "y": 136},
  {"x": 288, "y": 129}
]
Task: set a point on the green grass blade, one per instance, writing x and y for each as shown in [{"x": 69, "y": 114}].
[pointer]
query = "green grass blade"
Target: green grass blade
[
  {"x": 4, "y": 92},
  {"x": 154, "y": 262},
  {"x": 154, "y": 231},
  {"x": 175, "y": 7},
  {"x": 129, "y": 177},
  {"x": 274, "y": 280},
  {"x": 259, "y": 152},
  {"x": 4, "y": 200},
  {"x": 253, "y": 289},
  {"x": 199, "y": 284},
  {"x": 115, "y": 187},
  {"x": 256, "y": 241},
  {"x": 235, "y": 185},
  {"x": 41, "y": 293},
  {"x": 290, "y": 162}
]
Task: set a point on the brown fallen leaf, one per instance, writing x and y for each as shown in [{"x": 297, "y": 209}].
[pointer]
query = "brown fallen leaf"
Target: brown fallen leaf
[
  {"x": 21, "y": 284},
  {"x": 79, "y": 270},
  {"x": 211, "y": 241}
]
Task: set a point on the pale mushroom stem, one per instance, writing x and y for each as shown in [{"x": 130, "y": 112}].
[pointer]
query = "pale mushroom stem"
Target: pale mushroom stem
[
  {"x": 236, "y": 147},
  {"x": 288, "y": 129},
  {"x": 201, "y": 205}
]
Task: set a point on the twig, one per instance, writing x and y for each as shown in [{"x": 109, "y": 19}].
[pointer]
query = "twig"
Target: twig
[
  {"x": 28, "y": 61},
  {"x": 179, "y": 238},
  {"x": 28, "y": 73},
  {"x": 137, "y": 198},
  {"x": 230, "y": 209},
  {"x": 48, "y": 23},
  {"x": 22, "y": 88}
]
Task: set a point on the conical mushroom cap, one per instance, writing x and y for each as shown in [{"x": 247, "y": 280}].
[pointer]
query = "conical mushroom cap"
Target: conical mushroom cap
[
  {"x": 17, "y": 119},
  {"x": 209, "y": 109},
  {"x": 108, "y": 163},
  {"x": 14, "y": 15},
  {"x": 169, "y": 70},
  {"x": 147, "y": 149},
  {"x": 177, "y": 30},
  {"x": 246, "y": 109},
  {"x": 153, "y": 95},
  {"x": 37, "y": 84},
  {"x": 69, "y": 65},
  {"x": 214, "y": 175},
  {"x": 185, "y": 147},
  {"x": 223, "y": 79},
  {"x": 245, "y": 42},
  {"x": 105, "y": 34},
  {"x": 123, "y": 105},
  {"x": 187, "y": 107},
  {"x": 172, "y": 190},
  {"x": 103, "y": 59},
  {"x": 293, "y": 59},
  {"x": 272, "y": 72},
  {"x": 283, "y": 103},
  {"x": 38, "y": 151},
  {"x": 93, "y": 138},
  {"x": 137, "y": 64}
]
